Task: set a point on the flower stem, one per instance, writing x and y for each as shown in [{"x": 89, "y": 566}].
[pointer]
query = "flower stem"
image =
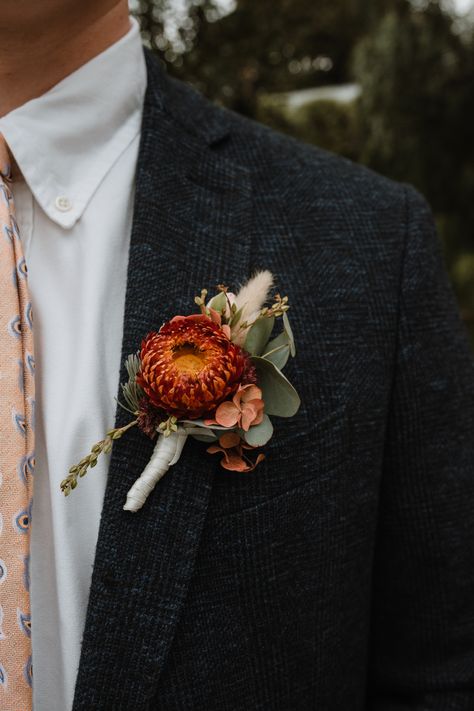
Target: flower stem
[
  {"x": 104, "y": 446},
  {"x": 166, "y": 453}
]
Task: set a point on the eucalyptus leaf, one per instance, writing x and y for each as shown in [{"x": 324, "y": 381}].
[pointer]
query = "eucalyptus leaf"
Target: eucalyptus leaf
[
  {"x": 200, "y": 423},
  {"x": 278, "y": 350},
  {"x": 258, "y": 435},
  {"x": 258, "y": 335},
  {"x": 218, "y": 302},
  {"x": 208, "y": 439},
  {"x": 279, "y": 395},
  {"x": 289, "y": 333},
  {"x": 236, "y": 316}
]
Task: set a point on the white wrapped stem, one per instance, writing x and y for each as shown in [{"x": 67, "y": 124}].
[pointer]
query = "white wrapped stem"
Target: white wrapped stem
[{"x": 166, "y": 453}]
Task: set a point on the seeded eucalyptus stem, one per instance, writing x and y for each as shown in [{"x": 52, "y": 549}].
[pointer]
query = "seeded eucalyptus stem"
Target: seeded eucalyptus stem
[{"x": 102, "y": 447}]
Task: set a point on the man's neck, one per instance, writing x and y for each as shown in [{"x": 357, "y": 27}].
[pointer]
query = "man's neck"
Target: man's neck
[{"x": 34, "y": 59}]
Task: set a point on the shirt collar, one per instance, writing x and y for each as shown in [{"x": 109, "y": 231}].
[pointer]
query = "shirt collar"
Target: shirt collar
[{"x": 66, "y": 140}]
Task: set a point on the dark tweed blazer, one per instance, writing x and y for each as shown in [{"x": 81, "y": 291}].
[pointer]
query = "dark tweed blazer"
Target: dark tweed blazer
[{"x": 339, "y": 575}]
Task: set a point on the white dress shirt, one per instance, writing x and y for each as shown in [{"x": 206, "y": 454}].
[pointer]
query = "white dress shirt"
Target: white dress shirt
[{"x": 76, "y": 147}]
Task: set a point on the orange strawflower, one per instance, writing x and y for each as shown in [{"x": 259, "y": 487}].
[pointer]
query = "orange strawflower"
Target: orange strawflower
[{"x": 190, "y": 366}]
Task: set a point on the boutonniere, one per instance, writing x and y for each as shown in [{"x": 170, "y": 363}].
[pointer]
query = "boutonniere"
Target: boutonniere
[{"x": 216, "y": 376}]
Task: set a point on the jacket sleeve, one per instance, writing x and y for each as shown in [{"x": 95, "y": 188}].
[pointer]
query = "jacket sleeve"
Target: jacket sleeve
[{"x": 422, "y": 624}]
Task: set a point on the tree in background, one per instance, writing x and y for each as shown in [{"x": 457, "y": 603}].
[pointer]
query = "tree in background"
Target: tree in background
[
  {"x": 261, "y": 46},
  {"x": 416, "y": 78},
  {"x": 416, "y": 108}
]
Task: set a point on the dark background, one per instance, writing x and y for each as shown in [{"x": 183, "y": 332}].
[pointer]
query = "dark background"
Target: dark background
[{"x": 387, "y": 83}]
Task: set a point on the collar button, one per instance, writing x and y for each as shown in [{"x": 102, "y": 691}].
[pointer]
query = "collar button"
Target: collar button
[{"x": 63, "y": 204}]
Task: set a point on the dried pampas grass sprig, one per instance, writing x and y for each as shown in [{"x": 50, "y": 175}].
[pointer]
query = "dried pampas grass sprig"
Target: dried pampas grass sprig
[{"x": 253, "y": 295}]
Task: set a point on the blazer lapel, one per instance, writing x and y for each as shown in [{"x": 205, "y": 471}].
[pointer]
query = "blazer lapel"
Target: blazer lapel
[{"x": 190, "y": 230}]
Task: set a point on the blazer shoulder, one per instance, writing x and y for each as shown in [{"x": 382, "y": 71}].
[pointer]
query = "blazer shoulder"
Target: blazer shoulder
[
  {"x": 279, "y": 161},
  {"x": 297, "y": 176},
  {"x": 305, "y": 168}
]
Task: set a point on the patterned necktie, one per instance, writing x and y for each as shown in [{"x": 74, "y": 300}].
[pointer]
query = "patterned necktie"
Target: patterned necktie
[{"x": 16, "y": 455}]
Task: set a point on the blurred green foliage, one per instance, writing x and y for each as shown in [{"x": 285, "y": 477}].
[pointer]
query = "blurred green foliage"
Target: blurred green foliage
[
  {"x": 330, "y": 124},
  {"x": 261, "y": 46},
  {"x": 415, "y": 67},
  {"x": 416, "y": 112}
]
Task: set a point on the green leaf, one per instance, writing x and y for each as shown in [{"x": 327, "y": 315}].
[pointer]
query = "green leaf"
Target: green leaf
[
  {"x": 279, "y": 395},
  {"x": 132, "y": 365},
  {"x": 132, "y": 392},
  {"x": 236, "y": 316},
  {"x": 258, "y": 435},
  {"x": 218, "y": 302},
  {"x": 289, "y": 333},
  {"x": 200, "y": 423},
  {"x": 258, "y": 335},
  {"x": 278, "y": 350},
  {"x": 202, "y": 438}
]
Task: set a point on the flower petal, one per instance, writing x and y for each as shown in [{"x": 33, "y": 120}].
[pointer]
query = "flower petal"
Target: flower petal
[
  {"x": 235, "y": 463},
  {"x": 214, "y": 449},
  {"x": 259, "y": 459},
  {"x": 227, "y": 414},
  {"x": 237, "y": 397},
  {"x": 258, "y": 417},
  {"x": 249, "y": 413},
  {"x": 251, "y": 392},
  {"x": 215, "y": 316},
  {"x": 229, "y": 440},
  {"x": 259, "y": 406}
]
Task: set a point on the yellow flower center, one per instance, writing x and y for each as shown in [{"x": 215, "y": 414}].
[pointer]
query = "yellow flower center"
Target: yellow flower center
[{"x": 188, "y": 359}]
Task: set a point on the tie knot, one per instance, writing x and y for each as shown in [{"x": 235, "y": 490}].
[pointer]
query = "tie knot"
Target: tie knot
[{"x": 5, "y": 160}]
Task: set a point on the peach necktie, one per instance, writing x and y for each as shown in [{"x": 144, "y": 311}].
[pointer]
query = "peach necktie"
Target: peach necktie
[{"x": 16, "y": 455}]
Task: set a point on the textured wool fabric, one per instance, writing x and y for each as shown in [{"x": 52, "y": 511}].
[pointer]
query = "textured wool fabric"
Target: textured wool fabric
[
  {"x": 17, "y": 393},
  {"x": 339, "y": 574}
]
